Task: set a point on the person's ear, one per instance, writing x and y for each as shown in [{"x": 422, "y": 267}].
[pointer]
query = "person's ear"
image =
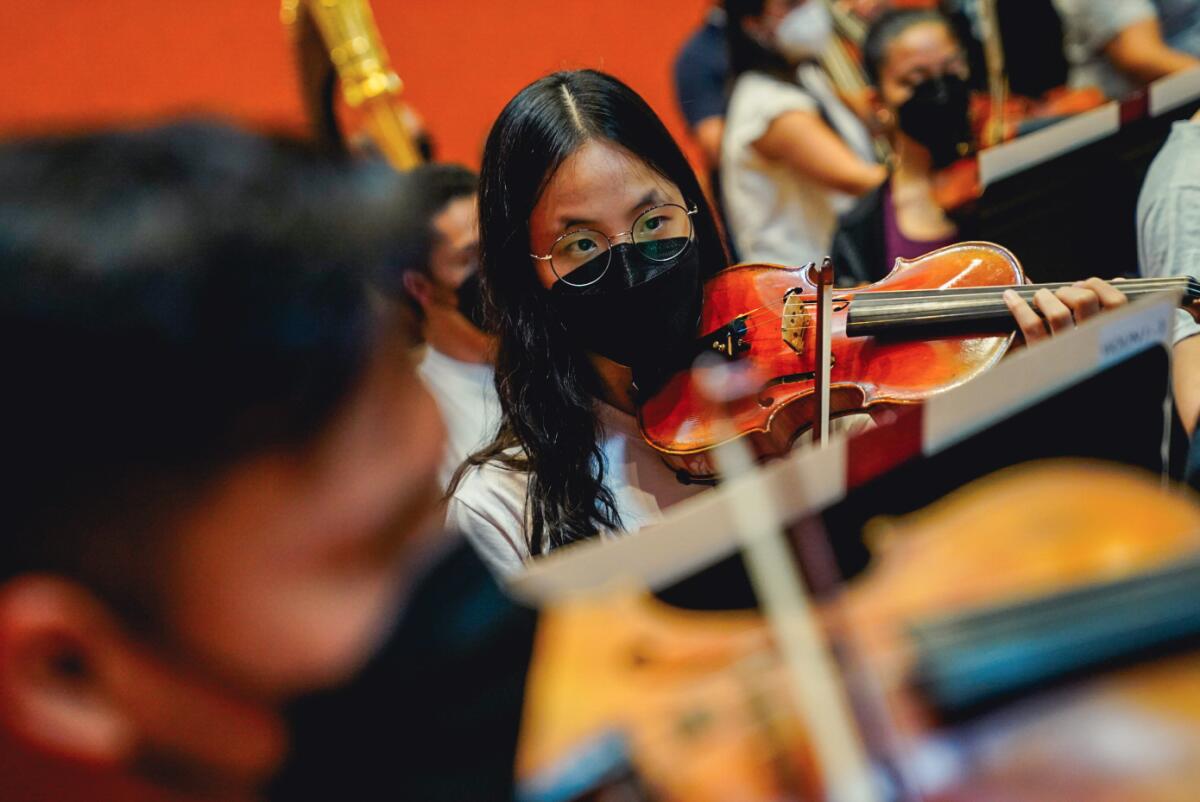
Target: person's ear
[
  {"x": 73, "y": 684},
  {"x": 419, "y": 287},
  {"x": 55, "y": 641}
]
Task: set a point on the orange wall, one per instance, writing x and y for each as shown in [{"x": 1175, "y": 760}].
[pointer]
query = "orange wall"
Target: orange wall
[{"x": 72, "y": 62}]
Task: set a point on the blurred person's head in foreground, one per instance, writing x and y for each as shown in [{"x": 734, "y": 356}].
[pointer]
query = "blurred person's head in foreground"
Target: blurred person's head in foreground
[
  {"x": 220, "y": 465},
  {"x": 433, "y": 259}
]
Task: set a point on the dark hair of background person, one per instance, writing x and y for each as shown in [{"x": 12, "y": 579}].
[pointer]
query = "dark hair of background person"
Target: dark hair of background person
[
  {"x": 746, "y": 54},
  {"x": 889, "y": 27},
  {"x": 172, "y": 300},
  {"x": 1031, "y": 32},
  {"x": 546, "y": 385},
  {"x": 424, "y": 194}
]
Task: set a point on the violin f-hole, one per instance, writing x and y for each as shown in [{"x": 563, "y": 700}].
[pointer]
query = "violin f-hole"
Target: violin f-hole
[{"x": 790, "y": 378}]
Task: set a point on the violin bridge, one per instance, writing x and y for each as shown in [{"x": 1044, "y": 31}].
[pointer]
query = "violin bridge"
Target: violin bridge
[{"x": 796, "y": 321}]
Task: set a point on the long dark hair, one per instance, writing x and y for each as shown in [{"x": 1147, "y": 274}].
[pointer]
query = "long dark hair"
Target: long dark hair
[{"x": 547, "y": 387}]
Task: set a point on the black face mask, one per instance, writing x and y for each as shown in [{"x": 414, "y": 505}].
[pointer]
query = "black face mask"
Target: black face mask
[
  {"x": 455, "y": 619},
  {"x": 937, "y": 116},
  {"x": 470, "y": 300},
  {"x": 642, "y": 314}
]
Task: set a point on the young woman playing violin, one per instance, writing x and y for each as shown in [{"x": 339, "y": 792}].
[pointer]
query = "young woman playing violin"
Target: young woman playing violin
[{"x": 596, "y": 240}]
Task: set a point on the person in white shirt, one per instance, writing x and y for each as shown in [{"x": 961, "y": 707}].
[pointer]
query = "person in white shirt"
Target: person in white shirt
[
  {"x": 435, "y": 266},
  {"x": 794, "y": 156},
  {"x": 596, "y": 240},
  {"x": 1119, "y": 45},
  {"x": 1168, "y": 218}
]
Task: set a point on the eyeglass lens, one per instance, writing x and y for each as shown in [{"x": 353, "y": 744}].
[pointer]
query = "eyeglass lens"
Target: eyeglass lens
[{"x": 660, "y": 234}]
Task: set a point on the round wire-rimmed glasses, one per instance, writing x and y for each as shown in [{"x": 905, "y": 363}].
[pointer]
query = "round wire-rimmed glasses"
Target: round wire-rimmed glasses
[{"x": 581, "y": 257}]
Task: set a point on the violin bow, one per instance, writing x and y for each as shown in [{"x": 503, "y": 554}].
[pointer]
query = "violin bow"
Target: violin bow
[
  {"x": 820, "y": 697},
  {"x": 818, "y": 692},
  {"x": 823, "y": 278}
]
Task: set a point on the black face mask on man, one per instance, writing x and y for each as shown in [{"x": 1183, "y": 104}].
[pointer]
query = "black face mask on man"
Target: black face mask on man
[
  {"x": 938, "y": 117},
  {"x": 641, "y": 313},
  {"x": 470, "y": 300}
]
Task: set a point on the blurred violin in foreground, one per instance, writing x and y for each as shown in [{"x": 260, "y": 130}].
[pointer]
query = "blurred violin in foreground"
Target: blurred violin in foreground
[{"x": 983, "y": 626}]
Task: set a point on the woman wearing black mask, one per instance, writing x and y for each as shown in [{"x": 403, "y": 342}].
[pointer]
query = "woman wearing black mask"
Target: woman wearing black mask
[
  {"x": 596, "y": 239},
  {"x": 921, "y": 100}
]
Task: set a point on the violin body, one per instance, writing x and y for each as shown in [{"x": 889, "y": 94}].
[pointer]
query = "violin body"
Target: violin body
[
  {"x": 779, "y": 354},
  {"x": 1032, "y": 532},
  {"x": 703, "y": 703},
  {"x": 697, "y": 697}
]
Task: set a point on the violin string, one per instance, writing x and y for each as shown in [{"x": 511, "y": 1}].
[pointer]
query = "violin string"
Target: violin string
[
  {"x": 985, "y": 288},
  {"x": 1137, "y": 287},
  {"x": 917, "y": 308},
  {"x": 990, "y": 304}
]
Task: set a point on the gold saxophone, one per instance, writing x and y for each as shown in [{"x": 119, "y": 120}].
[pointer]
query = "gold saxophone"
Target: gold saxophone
[{"x": 355, "y": 49}]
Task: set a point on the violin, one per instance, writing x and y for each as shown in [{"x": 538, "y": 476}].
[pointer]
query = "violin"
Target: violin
[
  {"x": 931, "y": 324},
  {"x": 1055, "y": 567},
  {"x": 959, "y": 184}
]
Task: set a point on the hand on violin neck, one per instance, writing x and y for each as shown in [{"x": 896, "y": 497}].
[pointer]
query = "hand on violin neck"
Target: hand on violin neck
[{"x": 1060, "y": 310}]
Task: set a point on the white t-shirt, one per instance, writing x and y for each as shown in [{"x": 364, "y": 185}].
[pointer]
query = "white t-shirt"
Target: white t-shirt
[
  {"x": 775, "y": 214},
  {"x": 466, "y": 396},
  {"x": 1169, "y": 215},
  {"x": 1088, "y": 27},
  {"x": 489, "y": 503}
]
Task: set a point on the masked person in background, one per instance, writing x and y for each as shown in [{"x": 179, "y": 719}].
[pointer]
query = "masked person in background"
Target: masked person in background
[
  {"x": 794, "y": 156},
  {"x": 919, "y": 78},
  {"x": 435, "y": 267},
  {"x": 920, "y": 94}
]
